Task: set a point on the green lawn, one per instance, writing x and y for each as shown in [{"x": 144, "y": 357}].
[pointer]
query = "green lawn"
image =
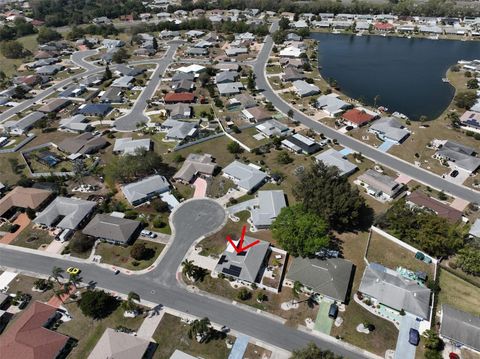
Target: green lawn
[
  {"x": 32, "y": 238},
  {"x": 391, "y": 255},
  {"x": 120, "y": 256},
  {"x": 24, "y": 284},
  {"x": 172, "y": 334},
  {"x": 88, "y": 331},
  {"x": 458, "y": 293},
  {"x": 9, "y": 66}
]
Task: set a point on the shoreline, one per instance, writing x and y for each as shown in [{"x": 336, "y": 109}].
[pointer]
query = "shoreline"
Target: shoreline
[{"x": 413, "y": 36}]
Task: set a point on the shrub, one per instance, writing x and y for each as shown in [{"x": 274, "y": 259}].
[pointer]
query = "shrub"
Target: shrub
[
  {"x": 97, "y": 304},
  {"x": 244, "y": 294},
  {"x": 138, "y": 251},
  {"x": 81, "y": 243},
  {"x": 158, "y": 222}
]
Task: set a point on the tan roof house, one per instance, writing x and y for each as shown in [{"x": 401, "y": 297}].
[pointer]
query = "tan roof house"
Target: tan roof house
[
  {"x": 119, "y": 345},
  {"x": 23, "y": 197}
]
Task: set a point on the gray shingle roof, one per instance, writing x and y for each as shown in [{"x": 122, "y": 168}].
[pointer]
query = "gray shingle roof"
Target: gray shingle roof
[
  {"x": 461, "y": 327},
  {"x": 72, "y": 211},
  {"x": 246, "y": 177},
  {"x": 111, "y": 228},
  {"x": 250, "y": 261},
  {"x": 129, "y": 146},
  {"x": 142, "y": 189},
  {"x": 303, "y": 88},
  {"x": 195, "y": 163},
  {"x": 393, "y": 290},
  {"x": 270, "y": 203},
  {"x": 475, "y": 229},
  {"x": 390, "y": 128},
  {"x": 179, "y": 129},
  {"x": 330, "y": 276},
  {"x": 380, "y": 182},
  {"x": 229, "y": 88},
  {"x": 333, "y": 158}
]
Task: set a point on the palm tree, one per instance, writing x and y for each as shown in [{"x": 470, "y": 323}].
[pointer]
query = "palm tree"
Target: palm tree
[
  {"x": 188, "y": 268},
  {"x": 75, "y": 279},
  {"x": 129, "y": 304},
  {"x": 200, "y": 328},
  {"x": 297, "y": 288},
  {"x": 57, "y": 272}
]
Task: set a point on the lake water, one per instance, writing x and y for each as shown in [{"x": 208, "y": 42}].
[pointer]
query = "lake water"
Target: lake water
[{"x": 406, "y": 74}]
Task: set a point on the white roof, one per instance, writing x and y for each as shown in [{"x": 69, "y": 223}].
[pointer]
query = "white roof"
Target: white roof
[
  {"x": 129, "y": 146},
  {"x": 191, "y": 68}
]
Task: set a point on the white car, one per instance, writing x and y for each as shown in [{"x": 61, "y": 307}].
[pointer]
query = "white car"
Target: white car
[{"x": 148, "y": 234}]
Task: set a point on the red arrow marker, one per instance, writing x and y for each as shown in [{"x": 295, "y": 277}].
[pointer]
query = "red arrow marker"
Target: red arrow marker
[{"x": 240, "y": 247}]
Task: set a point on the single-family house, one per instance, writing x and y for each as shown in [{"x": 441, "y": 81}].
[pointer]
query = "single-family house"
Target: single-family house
[
  {"x": 332, "y": 105},
  {"x": 112, "y": 43},
  {"x": 235, "y": 51},
  {"x": 256, "y": 114},
  {"x": 54, "y": 105},
  {"x": 179, "y": 111},
  {"x": 183, "y": 85},
  {"x": 95, "y": 109},
  {"x": 299, "y": 143},
  {"x": 23, "y": 198},
  {"x": 291, "y": 51},
  {"x": 475, "y": 229},
  {"x": 471, "y": 119},
  {"x": 380, "y": 185},
  {"x": 179, "y": 97},
  {"x": 119, "y": 345},
  {"x": 124, "y": 82},
  {"x": 242, "y": 101},
  {"x": 267, "y": 207},
  {"x": 272, "y": 128},
  {"x": 197, "y": 51},
  {"x": 389, "y": 128},
  {"x": 112, "y": 95},
  {"x": 129, "y": 146},
  {"x": 226, "y": 77},
  {"x": 85, "y": 143},
  {"x": 333, "y": 158},
  {"x": 246, "y": 266},
  {"x": 73, "y": 91},
  {"x": 357, "y": 117},
  {"x": 23, "y": 125},
  {"x": 247, "y": 177},
  {"x": 329, "y": 277},
  {"x": 146, "y": 189},
  {"x": 292, "y": 74},
  {"x": 112, "y": 229},
  {"x": 421, "y": 200},
  {"x": 460, "y": 156},
  {"x": 76, "y": 123},
  {"x": 195, "y": 165},
  {"x": 66, "y": 213},
  {"x": 31, "y": 336},
  {"x": 460, "y": 328},
  {"x": 304, "y": 89},
  {"x": 229, "y": 88},
  {"x": 390, "y": 288},
  {"x": 124, "y": 70},
  {"x": 179, "y": 130}
]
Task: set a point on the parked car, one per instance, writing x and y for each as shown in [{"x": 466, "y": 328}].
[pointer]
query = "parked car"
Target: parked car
[
  {"x": 413, "y": 337},
  {"x": 148, "y": 234},
  {"x": 454, "y": 173},
  {"x": 453, "y": 355},
  {"x": 333, "y": 311},
  {"x": 73, "y": 270}
]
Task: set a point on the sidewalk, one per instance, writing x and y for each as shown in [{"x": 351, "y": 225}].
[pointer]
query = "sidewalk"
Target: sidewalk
[{"x": 149, "y": 325}]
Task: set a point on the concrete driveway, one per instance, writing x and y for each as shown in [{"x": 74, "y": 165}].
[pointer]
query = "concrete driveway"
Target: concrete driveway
[{"x": 404, "y": 349}]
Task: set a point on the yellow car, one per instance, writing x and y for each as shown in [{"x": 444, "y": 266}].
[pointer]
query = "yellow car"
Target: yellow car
[{"x": 73, "y": 270}]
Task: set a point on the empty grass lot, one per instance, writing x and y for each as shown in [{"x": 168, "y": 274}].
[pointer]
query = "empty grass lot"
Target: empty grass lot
[
  {"x": 458, "y": 293},
  {"x": 9, "y": 66},
  {"x": 32, "y": 238},
  {"x": 172, "y": 334},
  {"x": 88, "y": 331},
  {"x": 120, "y": 256},
  {"x": 24, "y": 284}
]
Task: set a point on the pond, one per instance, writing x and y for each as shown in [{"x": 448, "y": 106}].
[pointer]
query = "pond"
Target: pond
[{"x": 404, "y": 75}]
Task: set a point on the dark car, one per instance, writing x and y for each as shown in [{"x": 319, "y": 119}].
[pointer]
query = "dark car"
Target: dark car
[
  {"x": 413, "y": 337},
  {"x": 453, "y": 356},
  {"x": 454, "y": 173},
  {"x": 333, "y": 311}
]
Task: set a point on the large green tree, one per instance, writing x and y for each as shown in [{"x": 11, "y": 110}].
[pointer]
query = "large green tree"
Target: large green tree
[
  {"x": 46, "y": 34},
  {"x": 12, "y": 49},
  {"x": 324, "y": 192},
  {"x": 97, "y": 304},
  {"x": 468, "y": 260},
  {"x": 465, "y": 99},
  {"x": 313, "y": 352},
  {"x": 300, "y": 232}
]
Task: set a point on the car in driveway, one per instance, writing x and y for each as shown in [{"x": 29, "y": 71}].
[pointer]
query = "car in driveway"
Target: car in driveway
[
  {"x": 413, "y": 336},
  {"x": 454, "y": 173},
  {"x": 149, "y": 234}
]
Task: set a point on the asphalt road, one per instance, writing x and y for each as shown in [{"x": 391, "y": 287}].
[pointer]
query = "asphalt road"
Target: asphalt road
[
  {"x": 136, "y": 115},
  {"x": 78, "y": 58},
  {"x": 375, "y": 155},
  {"x": 192, "y": 220}
]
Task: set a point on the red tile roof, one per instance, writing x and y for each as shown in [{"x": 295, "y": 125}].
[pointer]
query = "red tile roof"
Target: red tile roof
[
  {"x": 443, "y": 210},
  {"x": 26, "y": 338},
  {"x": 179, "y": 97},
  {"x": 383, "y": 26},
  {"x": 358, "y": 117}
]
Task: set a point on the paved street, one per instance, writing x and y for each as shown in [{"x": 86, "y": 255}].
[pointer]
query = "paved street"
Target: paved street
[
  {"x": 136, "y": 115},
  {"x": 78, "y": 58},
  {"x": 377, "y": 156},
  {"x": 192, "y": 220}
]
